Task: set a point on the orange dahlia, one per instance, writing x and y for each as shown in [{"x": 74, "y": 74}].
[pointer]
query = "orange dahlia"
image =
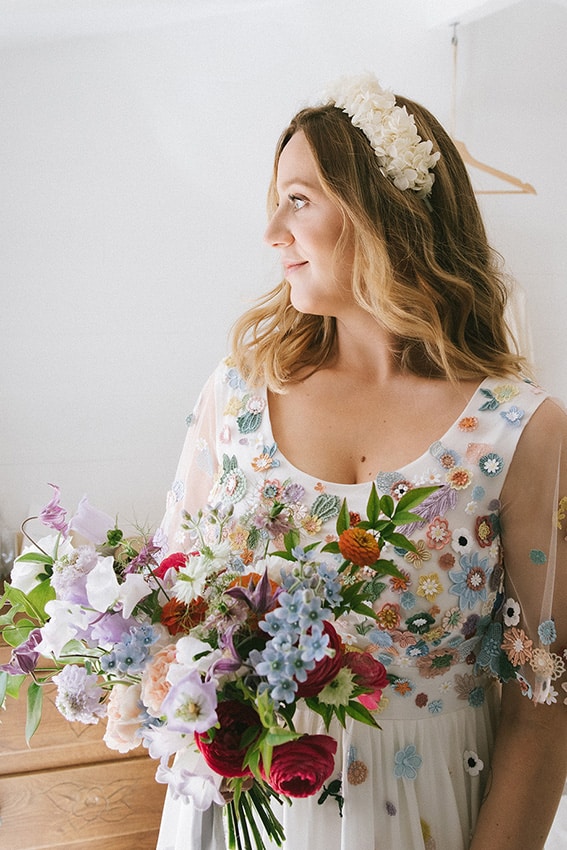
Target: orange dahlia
[{"x": 359, "y": 546}]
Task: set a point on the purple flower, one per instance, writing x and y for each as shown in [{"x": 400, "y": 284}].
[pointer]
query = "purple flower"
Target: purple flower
[
  {"x": 79, "y": 694},
  {"x": 24, "y": 657},
  {"x": 91, "y": 523},
  {"x": 259, "y": 597},
  {"x": 145, "y": 558},
  {"x": 190, "y": 705},
  {"x": 53, "y": 515}
]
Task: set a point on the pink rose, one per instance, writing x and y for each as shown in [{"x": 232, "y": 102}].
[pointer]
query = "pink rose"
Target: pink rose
[
  {"x": 326, "y": 669},
  {"x": 155, "y": 686},
  {"x": 368, "y": 673},
  {"x": 123, "y": 718},
  {"x": 299, "y": 768}
]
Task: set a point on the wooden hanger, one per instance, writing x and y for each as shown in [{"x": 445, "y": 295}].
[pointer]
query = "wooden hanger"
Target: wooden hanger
[
  {"x": 468, "y": 159},
  {"x": 521, "y": 187}
]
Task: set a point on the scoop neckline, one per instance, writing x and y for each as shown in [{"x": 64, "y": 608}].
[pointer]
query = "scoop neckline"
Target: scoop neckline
[{"x": 365, "y": 484}]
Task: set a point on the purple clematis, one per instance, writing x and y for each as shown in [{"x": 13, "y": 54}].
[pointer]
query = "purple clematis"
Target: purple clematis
[
  {"x": 24, "y": 657},
  {"x": 53, "y": 515}
]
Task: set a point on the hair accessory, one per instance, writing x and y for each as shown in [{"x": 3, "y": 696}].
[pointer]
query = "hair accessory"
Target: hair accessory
[{"x": 404, "y": 157}]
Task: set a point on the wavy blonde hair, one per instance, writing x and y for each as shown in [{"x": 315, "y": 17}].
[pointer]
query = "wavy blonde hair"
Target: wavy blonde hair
[{"x": 424, "y": 269}]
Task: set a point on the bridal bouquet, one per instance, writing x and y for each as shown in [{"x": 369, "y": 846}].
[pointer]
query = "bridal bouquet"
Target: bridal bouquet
[{"x": 200, "y": 657}]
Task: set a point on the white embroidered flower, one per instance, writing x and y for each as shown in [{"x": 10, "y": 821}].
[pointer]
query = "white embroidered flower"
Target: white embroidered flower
[
  {"x": 473, "y": 764},
  {"x": 462, "y": 541},
  {"x": 511, "y": 612},
  {"x": 551, "y": 696},
  {"x": 404, "y": 157}
]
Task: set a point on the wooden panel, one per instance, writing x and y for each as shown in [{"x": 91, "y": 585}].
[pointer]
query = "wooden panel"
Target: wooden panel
[
  {"x": 56, "y": 743},
  {"x": 112, "y": 805}
]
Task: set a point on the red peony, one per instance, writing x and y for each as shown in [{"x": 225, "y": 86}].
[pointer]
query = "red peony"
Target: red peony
[
  {"x": 177, "y": 560},
  {"x": 368, "y": 673},
  {"x": 299, "y": 768},
  {"x": 224, "y": 754},
  {"x": 324, "y": 670}
]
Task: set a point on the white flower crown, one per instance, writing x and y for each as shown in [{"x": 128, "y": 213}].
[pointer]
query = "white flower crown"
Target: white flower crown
[{"x": 404, "y": 157}]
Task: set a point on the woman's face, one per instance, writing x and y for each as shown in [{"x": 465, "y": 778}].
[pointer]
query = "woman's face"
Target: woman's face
[{"x": 305, "y": 228}]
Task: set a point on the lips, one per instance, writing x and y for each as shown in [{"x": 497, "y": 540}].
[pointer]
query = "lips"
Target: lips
[{"x": 290, "y": 267}]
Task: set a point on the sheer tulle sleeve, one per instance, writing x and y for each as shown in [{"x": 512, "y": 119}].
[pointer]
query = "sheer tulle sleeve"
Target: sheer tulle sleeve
[
  {"x": 195, "y": 471},
  {"x": 534, "y": 539}
]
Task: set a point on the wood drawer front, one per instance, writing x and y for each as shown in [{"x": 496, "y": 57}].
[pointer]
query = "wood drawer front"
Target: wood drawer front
[{"x": 110, "y": 806}]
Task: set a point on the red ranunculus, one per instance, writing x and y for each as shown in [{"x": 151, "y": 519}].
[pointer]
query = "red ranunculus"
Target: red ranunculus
[
  {"x": 326, "y": 669},
  {"x": 225, "y": 754},
  {"x": 368, "y": 673},
  {"x": 299, "y": 768},
  {"x": 177, "y": 560}
]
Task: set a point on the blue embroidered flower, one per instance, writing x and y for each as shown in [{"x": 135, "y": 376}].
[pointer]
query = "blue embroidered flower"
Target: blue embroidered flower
[
  {"x": 234, "y": 380},
  {"x": 178, "y": 490},
  {"x": 407, "y": 762},
  {"x": 478, "y": 493},
  {"x": 470, "y": 583},
  {"x": 435, "y": 706},
  {"x": 547, "y": 632},
  {"x": 538, "y": 557},
  {"x": 446, "y": 457},
  {"x": 407, "y": 600},
  {"x": 491, "y": 464},
  {"x": 380, "y": 638},
  {"x": 476, "y": 697},
  {"x": 513, "y": 416}
]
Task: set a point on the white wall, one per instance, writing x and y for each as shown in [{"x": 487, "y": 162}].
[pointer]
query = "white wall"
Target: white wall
[{"x": 136, "y": 149}]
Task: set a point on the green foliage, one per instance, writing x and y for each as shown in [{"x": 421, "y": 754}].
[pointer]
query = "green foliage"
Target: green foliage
[{"x": 35, "y": 705}]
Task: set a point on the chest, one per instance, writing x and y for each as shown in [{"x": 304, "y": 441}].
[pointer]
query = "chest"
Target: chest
[{"x": 348, "y": 433}]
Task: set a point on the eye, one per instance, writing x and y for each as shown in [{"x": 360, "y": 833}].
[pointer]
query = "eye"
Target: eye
[{"x": 297, "y": 202}]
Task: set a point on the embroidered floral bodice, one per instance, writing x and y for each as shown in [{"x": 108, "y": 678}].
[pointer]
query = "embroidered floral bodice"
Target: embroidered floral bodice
[{"x": 452, "y": 604}]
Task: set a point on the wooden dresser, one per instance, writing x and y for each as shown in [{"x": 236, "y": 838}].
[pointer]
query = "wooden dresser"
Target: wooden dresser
[{"x": 67, "y": 790}]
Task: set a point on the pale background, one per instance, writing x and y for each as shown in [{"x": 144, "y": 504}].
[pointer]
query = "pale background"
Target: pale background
[{"x": 136, "y": 140}]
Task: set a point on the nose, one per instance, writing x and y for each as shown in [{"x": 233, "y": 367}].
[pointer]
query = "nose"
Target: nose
[{"x": 277, "y": 234}]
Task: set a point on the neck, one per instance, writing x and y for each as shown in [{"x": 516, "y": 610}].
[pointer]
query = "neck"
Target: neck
[{"x": 365, "y": 347}]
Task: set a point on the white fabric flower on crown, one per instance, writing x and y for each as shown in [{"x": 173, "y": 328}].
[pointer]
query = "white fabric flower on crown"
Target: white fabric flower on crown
[{"x": 404, "y": 157}]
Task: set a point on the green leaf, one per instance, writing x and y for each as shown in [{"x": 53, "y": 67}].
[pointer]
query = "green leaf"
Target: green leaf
[
  {"x": 387, "y": 568},
  {"x": 3, "y": 686},
  {"x": 13, "y": 685},
  {"x": 366, "y": 610},
  {"x": 35, "y": 704},
  {"x": 41, "y": 595},
  {"x": 20, "y": 600},
  {"x": 405, "y": 518},
  {"x": 35, "y": 558},
  {"x": 343, "y": 519},
  {"x": 373, "y": 505},
  {"x": 399, "y": 540},
  {"x": 291, "y": 540},
  {"x": 359, "y": 712},
  {"x": 333, "y": 547},
  {"x": 18, "y": 633},
  {"x": 414, "y": 497},
  {"x": 387, "y": 505}
]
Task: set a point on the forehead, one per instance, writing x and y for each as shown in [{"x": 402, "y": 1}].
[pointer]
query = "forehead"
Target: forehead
[{"x": 297, "y": 164}]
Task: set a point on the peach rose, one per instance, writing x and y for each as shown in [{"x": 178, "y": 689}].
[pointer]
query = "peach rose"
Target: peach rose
[
  {"x": 155, "y": 686},
  {"x": 123, "y": 718}
]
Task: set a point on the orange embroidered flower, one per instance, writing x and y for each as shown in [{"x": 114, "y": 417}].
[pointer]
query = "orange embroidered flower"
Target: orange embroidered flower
[
  {"x": 354, "y": 518},
  {"x": 447, "y": 461},
  {"x": 400, "y": 583},
  {"x": 517, "y": 646},
  {"x": 417, "y": 558},
  {"x": 359, "y": 546},
  {"x": 459, "y": 478},
  {"x": 485, "y": 531},
  {"x": 388, "y": 617},
  {"x": 402, "y": 687},
  {"x": 468, "y": 423}
]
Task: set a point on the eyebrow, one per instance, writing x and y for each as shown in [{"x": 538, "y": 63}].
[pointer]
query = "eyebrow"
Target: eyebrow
[{"x": 297, "y": 181}]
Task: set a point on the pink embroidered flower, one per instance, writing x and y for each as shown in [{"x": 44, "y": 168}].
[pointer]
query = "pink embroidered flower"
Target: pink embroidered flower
[
  {"x": 447, "y": 561},
  {"x": 400, "y": 583},
  {"x": 437, "y": 533},
  {"x": 437, "y": 662}
]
